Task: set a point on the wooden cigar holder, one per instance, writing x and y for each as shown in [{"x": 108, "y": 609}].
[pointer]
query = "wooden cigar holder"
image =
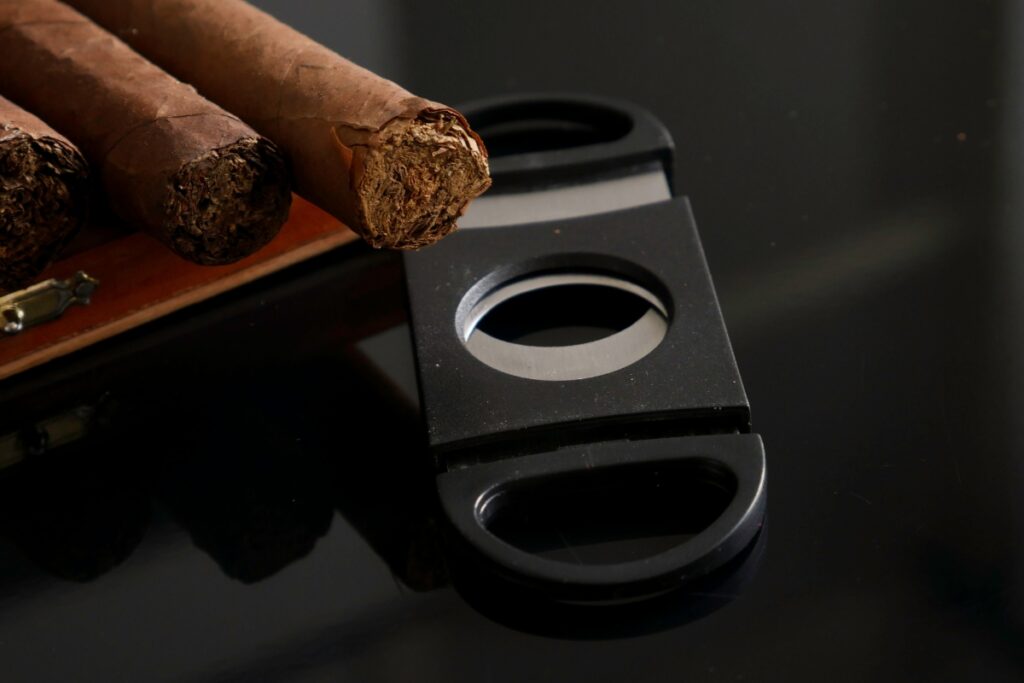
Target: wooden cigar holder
[{"x": 138, "y": 280}]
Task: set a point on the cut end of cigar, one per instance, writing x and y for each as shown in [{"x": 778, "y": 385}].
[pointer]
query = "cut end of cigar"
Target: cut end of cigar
[
  {"x": 228, "y": 203},
  {"x": 43, "y": 196},
  {"x": 418, "y": 179}
]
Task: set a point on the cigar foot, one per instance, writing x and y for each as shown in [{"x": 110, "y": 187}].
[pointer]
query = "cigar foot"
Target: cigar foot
[
  {"x": 228, "y": 203},
  {"x": 417, "y": 180},
  {"x": 43, "y": 196}
]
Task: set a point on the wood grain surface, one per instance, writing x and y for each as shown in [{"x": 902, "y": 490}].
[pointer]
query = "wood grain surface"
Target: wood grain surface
[{"x": 141, "y": 280}]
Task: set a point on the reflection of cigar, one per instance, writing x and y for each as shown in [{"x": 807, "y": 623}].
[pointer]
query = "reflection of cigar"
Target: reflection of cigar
[
  {"x": 172, "y": 163},
  {"x": 397, "y": 169},
  {"x": 246, "y": 492},
  {"x": 78, "y": 511},
  {"x": 42, "y": 195}
]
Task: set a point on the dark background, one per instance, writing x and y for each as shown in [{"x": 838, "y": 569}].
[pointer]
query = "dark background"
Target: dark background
[{"x": 855, "y": 169}]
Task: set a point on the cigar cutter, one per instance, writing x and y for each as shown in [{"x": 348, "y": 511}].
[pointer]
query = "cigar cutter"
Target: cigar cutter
[{"x": 581, "y": 398}]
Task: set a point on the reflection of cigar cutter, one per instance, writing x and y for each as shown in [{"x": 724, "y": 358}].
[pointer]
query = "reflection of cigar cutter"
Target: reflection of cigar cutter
[{"x": 578, "y": 385}]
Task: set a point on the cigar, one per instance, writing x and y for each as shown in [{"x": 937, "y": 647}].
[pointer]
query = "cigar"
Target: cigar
[
  {"x": 396, "y": 168},
  {"x": 172, "y": 163},
  {"x": 43, "y": 195}
]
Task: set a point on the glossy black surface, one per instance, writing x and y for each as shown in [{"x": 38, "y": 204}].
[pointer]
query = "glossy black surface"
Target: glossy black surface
[{"x": 855, "y": 169}]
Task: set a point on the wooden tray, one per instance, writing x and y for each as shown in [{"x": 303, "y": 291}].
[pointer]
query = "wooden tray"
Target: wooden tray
[{"x": 141, "y": 280}]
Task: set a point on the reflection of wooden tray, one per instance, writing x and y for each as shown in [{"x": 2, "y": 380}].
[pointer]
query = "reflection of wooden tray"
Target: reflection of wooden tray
[{"x": 141, "y": 280}]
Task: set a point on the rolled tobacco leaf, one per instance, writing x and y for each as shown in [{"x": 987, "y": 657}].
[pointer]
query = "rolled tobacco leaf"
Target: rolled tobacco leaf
[
  {"x": 396, "y": 168},
  {"x": 43, "y": 195},
  {"x": 171, "y": 162}
]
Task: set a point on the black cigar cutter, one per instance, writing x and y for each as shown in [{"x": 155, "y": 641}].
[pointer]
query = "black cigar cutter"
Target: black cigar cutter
[{"x": 581, "y": 398}]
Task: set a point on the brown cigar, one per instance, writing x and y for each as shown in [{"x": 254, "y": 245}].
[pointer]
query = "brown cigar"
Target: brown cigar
[
  {"x": 396, "y": 168},
  {"x": 43, "y": 195},
  {"x": 171, "y": 162}
]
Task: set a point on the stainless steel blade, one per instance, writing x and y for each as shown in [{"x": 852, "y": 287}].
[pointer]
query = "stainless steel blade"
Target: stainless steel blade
[{"x": 647, "y": 186}]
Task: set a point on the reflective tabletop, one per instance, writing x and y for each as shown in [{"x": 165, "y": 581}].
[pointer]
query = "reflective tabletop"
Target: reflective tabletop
[{"x": 253, "y": 500}]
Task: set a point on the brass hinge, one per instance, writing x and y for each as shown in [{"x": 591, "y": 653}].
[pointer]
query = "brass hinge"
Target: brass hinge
[{"x": 44, "y": 301}]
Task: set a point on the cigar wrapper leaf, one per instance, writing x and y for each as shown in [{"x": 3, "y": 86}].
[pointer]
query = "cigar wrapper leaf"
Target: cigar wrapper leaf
[
  {"x": 43, "y": 195},
  {"x": 171, "y": 162},
  {"x": 396, "y": 168}
]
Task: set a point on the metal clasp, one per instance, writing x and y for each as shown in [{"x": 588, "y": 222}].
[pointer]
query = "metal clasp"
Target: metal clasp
[{"x": 44, "y": 301}]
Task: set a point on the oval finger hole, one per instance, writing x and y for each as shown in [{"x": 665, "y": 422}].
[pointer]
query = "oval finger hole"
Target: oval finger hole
[
  {"x": 565, "y": 326},
  {"x": 611, "y": 515}
]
